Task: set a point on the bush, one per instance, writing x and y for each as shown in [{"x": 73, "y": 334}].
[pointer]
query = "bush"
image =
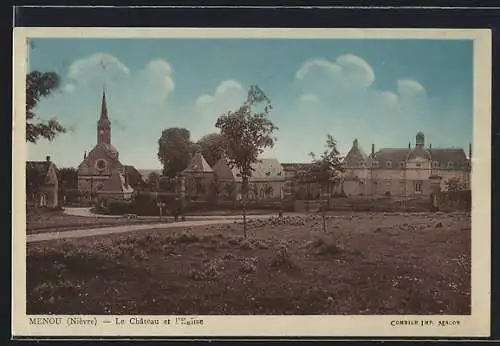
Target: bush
[{"x": 119, "y": 207}]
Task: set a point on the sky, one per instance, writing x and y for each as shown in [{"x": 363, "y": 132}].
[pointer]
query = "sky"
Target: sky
[{"x": 377, "y": 91}]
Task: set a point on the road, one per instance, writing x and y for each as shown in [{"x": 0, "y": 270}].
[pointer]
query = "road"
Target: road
[{"x": 213, "y": 220}]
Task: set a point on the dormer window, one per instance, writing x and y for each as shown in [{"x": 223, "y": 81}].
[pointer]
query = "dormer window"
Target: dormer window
[
  {"x": 375, "y": 164},
  {"x": 388, "y": 164},
  {"x": 279, "y": 174},
  {"x": 435, "y": 164},
  {"x": 363, "y": 164},
  {"x": 401, "y": 164},
  {"x": 450, "y": 164},
  {"x": 268, "y": 174}
]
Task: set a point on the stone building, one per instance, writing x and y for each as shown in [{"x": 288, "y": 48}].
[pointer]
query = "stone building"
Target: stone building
[
  {"x": 42, "y": 185},
  {"x": 101, "y": 171},
  {"x": 405, "y": 172},
  {"x": 266, "y": 183}
]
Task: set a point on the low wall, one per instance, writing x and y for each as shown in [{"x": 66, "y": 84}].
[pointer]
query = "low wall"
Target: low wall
[{"x": 359, "y": 203}]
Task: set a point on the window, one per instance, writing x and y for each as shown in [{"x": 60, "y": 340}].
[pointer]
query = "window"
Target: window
[
  {"x": 268, "y": 174},
  {"x": 450, "y": 164},
  {"x": 388, "y": 164},
  {"x": 418, "y": 187},
  {"x": 401, "y": 164},
  {"x": 100, "y": 164},
  {"x": 419, "y": 165},
  {"x": 279, "y": 174},
  {"x": 435, "y": 164}
]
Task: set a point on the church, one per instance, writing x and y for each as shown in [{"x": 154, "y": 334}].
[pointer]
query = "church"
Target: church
[{"x": 101, "y": 171}]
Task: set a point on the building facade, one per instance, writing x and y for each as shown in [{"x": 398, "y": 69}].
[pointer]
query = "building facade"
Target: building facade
[
  {"x": 404, "y": 172},
  {"x": 101, "y": 171}
]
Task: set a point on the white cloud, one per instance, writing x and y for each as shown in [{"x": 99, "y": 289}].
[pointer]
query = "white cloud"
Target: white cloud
[
  {"x": 410, "y": 88},
  {"x": 308, "y": 98},
  {"x": 156, "y": 81},
  {"x": 228, "y": 95},
  {"x": 69, "y": 88},
  {"x": 347, "y": 71},
  {"x": 96, "y": 67}
]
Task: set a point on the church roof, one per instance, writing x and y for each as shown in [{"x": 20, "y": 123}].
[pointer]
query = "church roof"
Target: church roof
[
  {"x": 134, "y": 177},
  {"x": 111, "y": 150},
  {"x": 440, "y": 155},
  {"x": 198, "y": 164},
  {"x": 117, "y": 182},
  {"x": 393, "y": 155}
]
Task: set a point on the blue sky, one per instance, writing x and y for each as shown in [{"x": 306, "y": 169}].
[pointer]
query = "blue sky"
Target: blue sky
[{"x": 378, "y": 91}]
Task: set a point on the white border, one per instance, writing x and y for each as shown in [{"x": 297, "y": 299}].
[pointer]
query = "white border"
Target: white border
[{"x": 475, "y": 325}]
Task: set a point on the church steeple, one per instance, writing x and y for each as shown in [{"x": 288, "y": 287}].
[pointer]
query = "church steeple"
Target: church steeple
[
  {"x": 104, "y": 107},
  {"x": 103, "y": 124}
]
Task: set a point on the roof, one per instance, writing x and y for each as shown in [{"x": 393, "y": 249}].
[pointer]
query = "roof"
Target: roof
[
  {"x": 134, "y": 177},
  {"x": 296, "y": 166},
  {"x": 198, "y": 164},
  {"x": 264, "y": 169},
  {"x": 441, "y": 156},
  {"x": 117, "y": 182},
  {"x": 355, "y": 156},
  {"x": 111, "y": 150}
]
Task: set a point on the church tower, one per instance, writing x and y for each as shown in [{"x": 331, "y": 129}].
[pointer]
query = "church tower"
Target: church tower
[{"x": 103, "y": 124}]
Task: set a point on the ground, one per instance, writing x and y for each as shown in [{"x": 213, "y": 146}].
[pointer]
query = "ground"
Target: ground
[{"x": 365, "y": 263}]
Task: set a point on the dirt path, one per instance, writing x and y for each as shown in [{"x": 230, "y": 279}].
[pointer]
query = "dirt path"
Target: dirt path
[{"x": 216, "y": 220}]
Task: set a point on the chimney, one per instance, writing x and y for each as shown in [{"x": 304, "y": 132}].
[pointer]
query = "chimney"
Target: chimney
[
  {"x": 373, "y": 150},
  {"x": 409, "y": 145},
  {"x": 430, "y": 146},
  {"x": 355, "y": 143},
  {"x": 470, "y": 151},
  {"x": 47, "y": 158}
]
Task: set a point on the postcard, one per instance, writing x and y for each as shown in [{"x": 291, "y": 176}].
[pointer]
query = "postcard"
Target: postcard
[{"x": 251, "y": 182}]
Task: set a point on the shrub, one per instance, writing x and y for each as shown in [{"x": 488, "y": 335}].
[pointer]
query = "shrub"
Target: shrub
[{"x": 119, "y": 207}]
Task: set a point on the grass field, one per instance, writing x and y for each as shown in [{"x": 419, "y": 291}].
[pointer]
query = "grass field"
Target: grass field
[{"x": 364, "y": 264}]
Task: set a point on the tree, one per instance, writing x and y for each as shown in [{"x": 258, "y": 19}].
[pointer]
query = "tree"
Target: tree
[
  {"x": 174, "y": 150},
  {"x": 212, "y": 147},
  {"x": 326, "y": 170},
  {"x": 454, "y": 184},
  {"x": 152, "y": 181},
  {"x": 39, "y": 85},
  {"x": 247, "y": 132}
]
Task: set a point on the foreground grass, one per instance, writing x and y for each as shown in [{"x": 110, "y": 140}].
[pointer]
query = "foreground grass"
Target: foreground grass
[{"x": 363, "y": 264}]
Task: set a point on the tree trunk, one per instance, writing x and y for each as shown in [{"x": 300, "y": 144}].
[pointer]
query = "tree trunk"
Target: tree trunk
[
  {"x": 244, "y": 189},
  {"x": 323, "y": 207}
]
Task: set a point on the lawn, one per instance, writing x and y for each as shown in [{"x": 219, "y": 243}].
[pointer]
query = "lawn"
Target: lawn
[{"x": 366, "y": 263}]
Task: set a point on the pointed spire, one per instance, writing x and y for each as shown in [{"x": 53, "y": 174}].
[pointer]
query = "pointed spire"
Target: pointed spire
[
  {"x": 85, "y": 154},
  {"x": 104, "y": 107}
]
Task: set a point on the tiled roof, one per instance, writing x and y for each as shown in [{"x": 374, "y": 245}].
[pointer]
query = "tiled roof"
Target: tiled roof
[
  {"x": 198, "y": 164},
  {"x": 456, "y": 156},
  {"x": 264, "y": 169},
  {"x": 443, "y": 156},
  {"x": 116, "y": 183},
  {"x": 394, "y": 155}
]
